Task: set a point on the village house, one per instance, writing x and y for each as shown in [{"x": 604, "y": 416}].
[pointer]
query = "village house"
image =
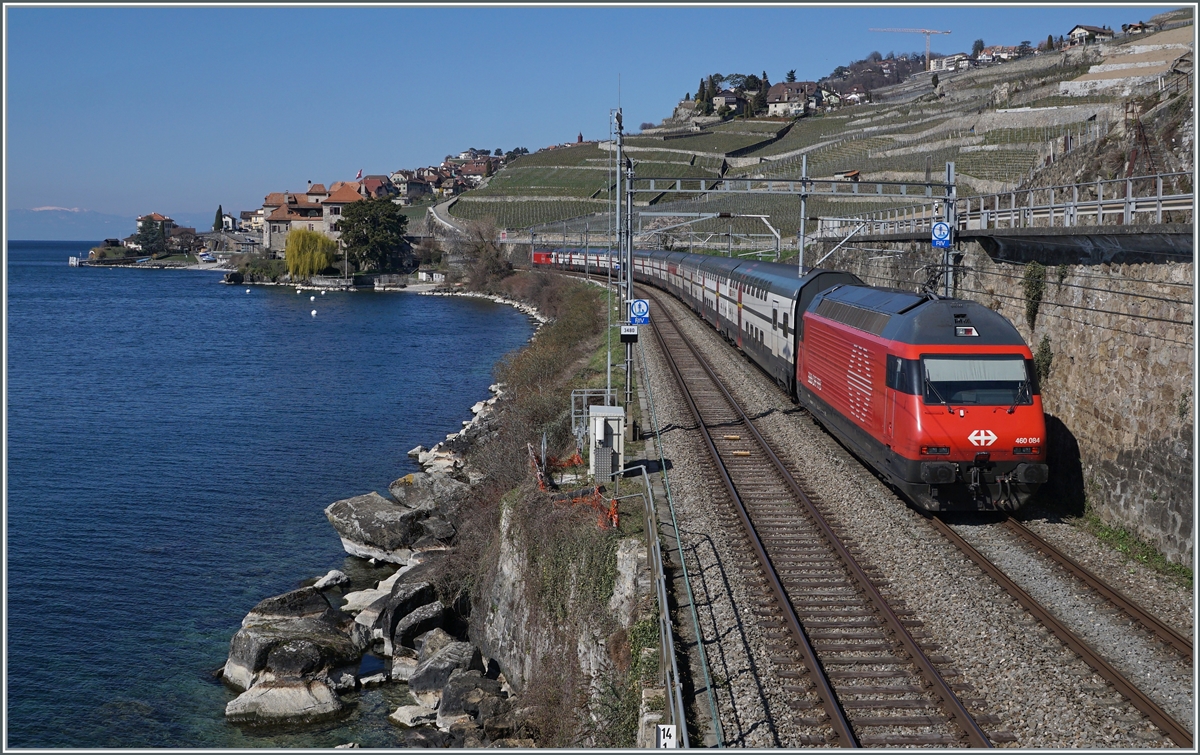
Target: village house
[
  {"x": 165, "y": 224},
  {"x": 410, "y": 187},
  {"x": 1138, "y": 28},
  {"x": 252, "y": 220},
  {"x": 378, "y": 186},
  {"x": 856, "y": 95},
  {"x": 998, "y": 54},
  {"x": 1085, "y": 35},
  {"x": 828, "y": 98},
  {"x": 344, "y": 193},
  {"x": 475, "y": 171},
  {"x": 790, "y": 98},
  {"x": 730, "y": 99}
]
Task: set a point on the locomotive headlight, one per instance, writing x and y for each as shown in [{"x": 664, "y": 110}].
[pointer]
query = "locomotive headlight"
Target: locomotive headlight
[
  {"x": 1027, "y": 450},
  {"x": 935, "y": 450},
  {"x": 983, "y": 457}
]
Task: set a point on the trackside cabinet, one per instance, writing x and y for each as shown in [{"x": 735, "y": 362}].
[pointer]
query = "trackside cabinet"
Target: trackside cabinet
[{"x": 606, "y": 441}]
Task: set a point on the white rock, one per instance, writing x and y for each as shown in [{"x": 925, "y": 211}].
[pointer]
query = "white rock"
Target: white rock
[
  {"x": 373, "y": 679},
  {"x": 428, "y": 699},
  {"x": 278, "y": 702},
  {"x": 413, "y": 715},
  {"x": 334, "y": 578},
  {"x": 386, "y": 584},
  {"x": 402, "y": 668},
  {"x": 625, "y": 586},
  {"x": 416, "y": 452},
  {"x": 359, "y": 600}
]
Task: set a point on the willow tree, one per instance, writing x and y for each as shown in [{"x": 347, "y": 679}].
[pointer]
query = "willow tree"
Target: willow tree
[{"x": 308, "y": 253}]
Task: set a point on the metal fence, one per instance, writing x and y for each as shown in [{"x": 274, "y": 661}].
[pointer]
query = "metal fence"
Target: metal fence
[{"x": 1164, "y": 197}]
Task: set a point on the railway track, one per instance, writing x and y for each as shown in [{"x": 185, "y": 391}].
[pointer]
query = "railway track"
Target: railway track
[
  {"x": 1161, "y": 630},
  {"x": 855, "y": 668},
  {"x": 1176, "y": 731}
]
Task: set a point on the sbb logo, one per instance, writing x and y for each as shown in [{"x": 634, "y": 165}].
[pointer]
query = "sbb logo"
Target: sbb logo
[{"x": 982, "y": 438}]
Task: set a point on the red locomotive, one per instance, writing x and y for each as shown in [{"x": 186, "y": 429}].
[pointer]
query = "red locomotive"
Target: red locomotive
[{"x": 939, "y": 396}]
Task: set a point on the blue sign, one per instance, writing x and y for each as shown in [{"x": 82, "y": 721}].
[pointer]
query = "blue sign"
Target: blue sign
[
  {"x": 639, "y": 312},
  {"x": 941, "y": 235}
]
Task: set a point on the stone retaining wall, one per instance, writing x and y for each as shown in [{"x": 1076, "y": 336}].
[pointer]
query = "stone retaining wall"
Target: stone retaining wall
[{"x": 1118, "y": 397}]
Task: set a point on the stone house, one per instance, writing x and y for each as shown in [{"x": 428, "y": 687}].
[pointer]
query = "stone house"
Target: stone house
[
  {"x": 286, "y": 212},
  {"x": 343, "y": 195}
]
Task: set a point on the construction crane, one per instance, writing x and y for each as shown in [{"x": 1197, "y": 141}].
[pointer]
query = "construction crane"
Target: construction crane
[{"x": 926, "y": 32}]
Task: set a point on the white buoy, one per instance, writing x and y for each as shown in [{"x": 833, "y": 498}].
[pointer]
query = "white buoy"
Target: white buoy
[
  {"x": 312, "y": 298},
  {"x": 322, "y": 293},
  {"x": 297, "y": 290},
  {"x": 314, "y": 313},
  {"x": 247, "y": 290}
]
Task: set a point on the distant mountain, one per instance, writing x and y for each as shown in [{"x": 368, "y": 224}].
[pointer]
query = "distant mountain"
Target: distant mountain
[
  {"x": 64, "y": 224},
  {"x": 61, "y": 224}
]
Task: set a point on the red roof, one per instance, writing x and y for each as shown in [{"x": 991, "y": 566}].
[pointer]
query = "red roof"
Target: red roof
[
  {"x": 347, "y": 192},
  {"x": 316, "y": 189},
  {"x": 275, "y": 199}
]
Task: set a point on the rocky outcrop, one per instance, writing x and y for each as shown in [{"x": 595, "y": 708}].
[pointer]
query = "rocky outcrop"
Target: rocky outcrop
[
  {"x": 291, "y": 702},
  {"x": 288, "y": 632},
  {"x": 371, "y": 526}
]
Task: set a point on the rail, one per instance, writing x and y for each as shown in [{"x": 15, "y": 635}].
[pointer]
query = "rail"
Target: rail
[
  {"x": 1176, "y": 731},
  {"x": 1144, "y": 617},
  {"x": 1121, "y": 201},
  {"x": 666, "y": 636},
  {"x": 830, "y": 701}
]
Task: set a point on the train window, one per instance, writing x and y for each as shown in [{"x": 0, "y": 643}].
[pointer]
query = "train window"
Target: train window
[
  {"x": 785, "y": 324},
  {"x": 774, "y": 318},
  {"x": 903, "y": 375},
  {"x": 978, "y": 380}
]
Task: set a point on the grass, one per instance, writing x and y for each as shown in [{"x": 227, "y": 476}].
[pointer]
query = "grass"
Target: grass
[
  {"x": 526, "y": 213},
  {"x": 1134, "y": 549},
  {"x": 561, "y": 156},
  {"x": 550, "y": 181},
  {"x": 769, "y": 128},
  {"x": 1060, "y": 100},
  {"x": 805, "y": 133},
  {"x": 415, "y": 213}
]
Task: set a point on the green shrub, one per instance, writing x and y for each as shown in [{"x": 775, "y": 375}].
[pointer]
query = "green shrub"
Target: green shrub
[
  {"x": 1042, "y": 359},
  {"x": 1035, "y": 287}
]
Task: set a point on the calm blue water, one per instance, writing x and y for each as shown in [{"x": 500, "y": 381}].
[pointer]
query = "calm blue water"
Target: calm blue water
[{"x": 172, "y": 443}]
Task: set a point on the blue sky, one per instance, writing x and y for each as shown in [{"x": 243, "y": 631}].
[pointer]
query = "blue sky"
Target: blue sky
[{"x": 178, "y": 109}]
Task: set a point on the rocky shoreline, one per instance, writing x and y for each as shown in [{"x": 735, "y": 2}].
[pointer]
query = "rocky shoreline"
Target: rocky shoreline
[{"x": 295, "y": 653}]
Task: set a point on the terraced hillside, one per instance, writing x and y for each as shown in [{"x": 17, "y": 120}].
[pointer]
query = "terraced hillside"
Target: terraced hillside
[{"x": 1000, "y": 125}]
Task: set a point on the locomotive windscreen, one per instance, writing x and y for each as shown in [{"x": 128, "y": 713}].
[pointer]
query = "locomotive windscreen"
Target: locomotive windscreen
[{"x": 977, "y": 380}]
